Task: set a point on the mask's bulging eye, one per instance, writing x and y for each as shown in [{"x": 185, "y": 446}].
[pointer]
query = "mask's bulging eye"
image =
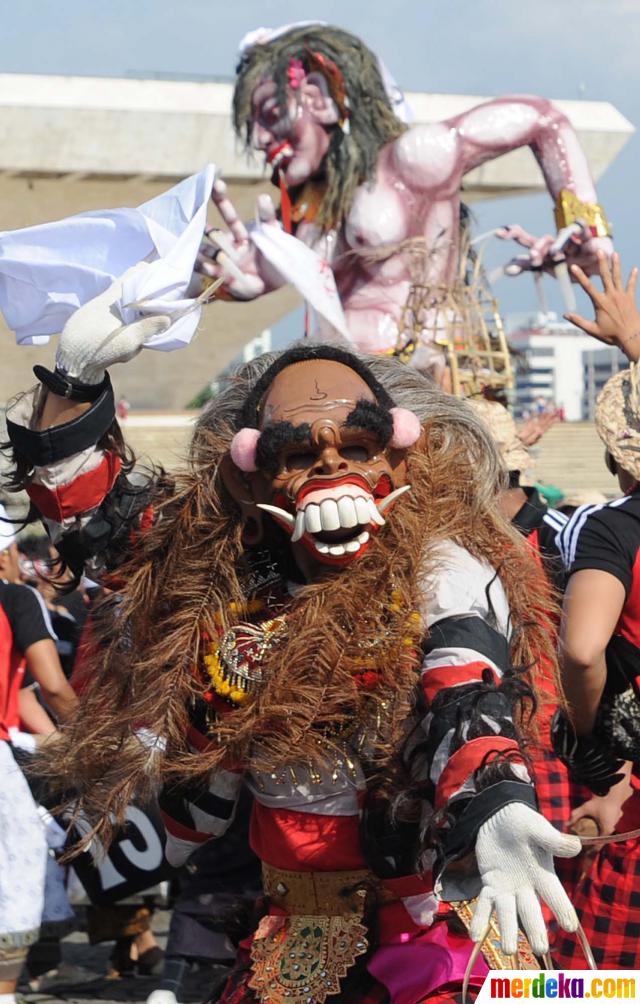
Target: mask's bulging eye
[
  {"x": 357, "y": 453},
  {"x": 299, "y": 461}
]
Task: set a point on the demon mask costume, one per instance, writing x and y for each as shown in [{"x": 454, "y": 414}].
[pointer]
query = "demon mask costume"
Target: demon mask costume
[{"x": 318, "y": 607}]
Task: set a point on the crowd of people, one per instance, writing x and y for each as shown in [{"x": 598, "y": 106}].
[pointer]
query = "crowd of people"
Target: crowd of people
[{"x": 573, "y": 742}]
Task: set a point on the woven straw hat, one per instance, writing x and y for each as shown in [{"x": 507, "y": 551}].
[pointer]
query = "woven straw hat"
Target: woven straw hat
[
  {"x": 618, "y": 418},
  {"x": 503, "y": 430}
]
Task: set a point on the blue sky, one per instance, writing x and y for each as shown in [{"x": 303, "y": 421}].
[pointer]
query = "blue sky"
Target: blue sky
[{"x": 558, "y": 48}]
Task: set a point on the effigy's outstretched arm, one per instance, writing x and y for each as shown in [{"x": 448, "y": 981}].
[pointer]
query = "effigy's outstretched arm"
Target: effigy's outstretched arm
[
  {"x": 506, "y": 123},
  {"x": 496, "y": 127}
]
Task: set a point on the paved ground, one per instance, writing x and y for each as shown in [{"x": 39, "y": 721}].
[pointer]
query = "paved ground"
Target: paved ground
[{"x": 201, "y": 985}]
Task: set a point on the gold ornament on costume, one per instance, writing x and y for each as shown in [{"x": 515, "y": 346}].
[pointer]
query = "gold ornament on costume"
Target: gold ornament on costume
[
  {"x": 303, "y": 955},
  {"x": 491, "y": 946},
  {"x": 570, "y": 209},
  {"x": 233, "y": 660},
  {"x": 301, "y": 959}
]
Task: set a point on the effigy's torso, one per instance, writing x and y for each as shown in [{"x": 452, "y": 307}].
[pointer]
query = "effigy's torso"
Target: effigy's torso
[{"x": 401, "y": 233}]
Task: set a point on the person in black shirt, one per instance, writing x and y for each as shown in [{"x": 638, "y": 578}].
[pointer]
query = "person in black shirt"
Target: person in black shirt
[
  {"x": 600, "y": 634},
  {"x": 600, "y": 647}
]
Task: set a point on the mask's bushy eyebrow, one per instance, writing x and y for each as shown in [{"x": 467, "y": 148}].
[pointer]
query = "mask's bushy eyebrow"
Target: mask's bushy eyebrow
[
  {"x": 274, "y": 438},
  {"x": 372, "y": 417}
]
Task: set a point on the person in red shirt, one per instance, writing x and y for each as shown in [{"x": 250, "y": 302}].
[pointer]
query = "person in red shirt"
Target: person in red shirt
[
  {"x": 26, "y": 645},
  {"x": 25, "y": 642}
]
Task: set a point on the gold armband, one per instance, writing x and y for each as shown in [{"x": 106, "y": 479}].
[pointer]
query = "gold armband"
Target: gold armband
[{"x": 569, "y": 209}]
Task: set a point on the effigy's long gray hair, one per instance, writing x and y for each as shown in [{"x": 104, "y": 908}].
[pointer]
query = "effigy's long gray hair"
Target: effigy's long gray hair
[{"x": 352, "y": 155}]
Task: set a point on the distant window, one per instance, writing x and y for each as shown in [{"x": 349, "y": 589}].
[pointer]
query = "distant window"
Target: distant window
[
  {"x": 539, "y": 350},
  {"x": 535, "y": 386}
]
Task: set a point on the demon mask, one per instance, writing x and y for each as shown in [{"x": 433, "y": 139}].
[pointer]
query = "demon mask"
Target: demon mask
[{"x": 323, "y": 452}]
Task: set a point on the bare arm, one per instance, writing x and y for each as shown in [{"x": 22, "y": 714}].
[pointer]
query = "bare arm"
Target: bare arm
[
  {"x": 498, "y": 126},
  {"x": 592, "y": 606},
  {"x": 44, "y": 665},
  {"x": 33, "y": 715}
]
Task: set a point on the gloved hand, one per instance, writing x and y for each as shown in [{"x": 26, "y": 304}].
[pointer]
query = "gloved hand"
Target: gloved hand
[
  {"x": 95, "y": 337},
  {"x": 514, "y": 852}
]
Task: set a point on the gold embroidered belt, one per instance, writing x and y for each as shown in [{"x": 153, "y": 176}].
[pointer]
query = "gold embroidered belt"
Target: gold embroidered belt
[{"x": 301, "y": 956}]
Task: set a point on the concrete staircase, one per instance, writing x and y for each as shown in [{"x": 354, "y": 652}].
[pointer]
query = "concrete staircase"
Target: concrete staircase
[{"x": 571, "y": 456}]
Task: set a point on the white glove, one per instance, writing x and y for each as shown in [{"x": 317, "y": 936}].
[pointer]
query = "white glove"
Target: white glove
[
  {"x": 514, "y": 852},
  {"x": 95, "y": 337}
]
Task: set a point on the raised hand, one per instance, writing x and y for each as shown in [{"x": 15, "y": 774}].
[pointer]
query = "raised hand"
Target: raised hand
[
  {"x": 617, "y": 318},
  {"x": 230, "y": 255}
]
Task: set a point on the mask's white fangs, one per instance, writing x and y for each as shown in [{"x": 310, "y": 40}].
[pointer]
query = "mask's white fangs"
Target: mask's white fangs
[
  {"x": 340, "y": 508},
  {"x": 280, "y": 514},
  {"x": 386, "y": 502}
]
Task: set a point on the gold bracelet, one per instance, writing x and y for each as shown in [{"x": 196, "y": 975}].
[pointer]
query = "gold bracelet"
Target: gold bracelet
[{"x": 569, "y": 209}]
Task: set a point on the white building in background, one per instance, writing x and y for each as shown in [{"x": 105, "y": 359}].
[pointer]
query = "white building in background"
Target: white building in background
[{"x": 558, "y": 365}]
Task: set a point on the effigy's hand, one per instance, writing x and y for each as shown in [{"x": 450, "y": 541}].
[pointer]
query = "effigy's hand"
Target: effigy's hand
[
  {"x": 617, "y": 318},
  {"x": 514, "y": 853},
  {"x": 537, "y": 249},
  {"x": 230, "y": 255},
  {"x": 573, "y": 244},
  {"x": 95, "y": 337},
  {"x": 586, "y": 252}
]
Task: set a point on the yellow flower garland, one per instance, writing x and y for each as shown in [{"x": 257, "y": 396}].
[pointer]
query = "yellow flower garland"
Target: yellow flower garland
[
  {"x": 240, "y": 695},
  {"x": 219, "y": 682}
]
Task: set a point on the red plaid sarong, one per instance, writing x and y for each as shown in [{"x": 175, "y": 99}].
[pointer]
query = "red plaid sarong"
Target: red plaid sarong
[
  {"x": 607, "y": 900},
  {"x": 604, "y": 886}
]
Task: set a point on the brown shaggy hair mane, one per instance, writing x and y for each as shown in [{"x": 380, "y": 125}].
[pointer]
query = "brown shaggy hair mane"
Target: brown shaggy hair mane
[{"x": 191, "y": 566}]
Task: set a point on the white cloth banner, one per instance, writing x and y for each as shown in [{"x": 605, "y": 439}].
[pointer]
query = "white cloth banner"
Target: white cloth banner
[
  {"x": 48, "y": 271},
  {"x": 307, "y": 271}
]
